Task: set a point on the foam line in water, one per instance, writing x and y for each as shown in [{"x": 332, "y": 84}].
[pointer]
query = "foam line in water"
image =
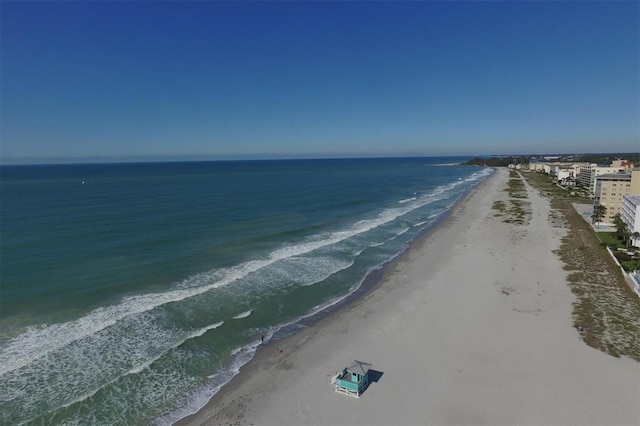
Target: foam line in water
[
  {"x": 243, "y": 315},
  {"x": 402, "y": 231},
  {"x": 139, "y": 368},
  {"x": 81, "y": 383},
  {"x": 322, "y": 277},
  {"x": 134, "y": 370},
  {"x": 202, "y": 331},
  {"x": 318, "y": 308},
  {"x": 199, "y": 398},
  {"x": 38, "y": 341},
  {"x": 407, "y": 200}
]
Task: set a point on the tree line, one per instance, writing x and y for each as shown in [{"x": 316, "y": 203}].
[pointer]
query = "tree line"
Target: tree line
[
  {"x": 496, "y": 161},
  {"x": 583, "y": 158}
]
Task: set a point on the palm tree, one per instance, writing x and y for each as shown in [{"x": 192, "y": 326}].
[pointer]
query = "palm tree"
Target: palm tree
[
  {"x": 621, "y": 227},
  {"x": 627, "y": 236},
  {"x": 599, "y": 211},
  {"x": 635, "y": 236}
]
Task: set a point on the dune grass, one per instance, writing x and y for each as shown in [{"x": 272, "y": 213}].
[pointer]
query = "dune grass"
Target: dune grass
[
  {"x": 605, "y": 306},
  {"x": 518, "y": 211}
]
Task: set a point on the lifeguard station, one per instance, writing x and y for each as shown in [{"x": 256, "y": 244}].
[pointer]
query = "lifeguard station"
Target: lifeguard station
[{"x": 353, "y": 380}]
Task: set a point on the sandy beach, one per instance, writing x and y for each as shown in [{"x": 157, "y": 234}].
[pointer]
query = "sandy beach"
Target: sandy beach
[{"x": 471, "y": 326}]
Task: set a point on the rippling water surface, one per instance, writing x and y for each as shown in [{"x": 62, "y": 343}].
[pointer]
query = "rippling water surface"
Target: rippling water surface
[{"x": 132, "y": 292}]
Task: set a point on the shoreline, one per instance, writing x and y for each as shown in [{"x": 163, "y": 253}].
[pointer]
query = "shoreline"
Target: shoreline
[
  {"x": 440, "y": 340},
  {"x": 374, "y": 279}
]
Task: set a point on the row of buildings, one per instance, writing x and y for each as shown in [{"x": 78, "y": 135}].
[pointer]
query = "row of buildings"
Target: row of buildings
[{"x": 616, "y": 186}]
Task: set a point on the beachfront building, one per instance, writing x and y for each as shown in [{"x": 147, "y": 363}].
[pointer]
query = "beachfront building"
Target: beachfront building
[
  {"x": 630, "y": 214},
  {"x": 584, "y": 177},
  {"x": 565, "y": 174},
  {"x": 610, "y": 190},
  {"x": 635, "y": 181},
  {"x": 354, "y": 379},
  {"x": 577, "y": 168},
  {"x": 561, "y": 170},
  {"x": 536, "y": 167},
  {"x": 589, "y": 172},
  {"x": 626, "y": 164}
]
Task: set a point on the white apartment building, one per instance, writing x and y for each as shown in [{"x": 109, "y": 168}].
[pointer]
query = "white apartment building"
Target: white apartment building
[
  {"x": 563, "y": 173},
  {"x": 577, "y": 167},
  {"x": 584, "y": 177},
  {"x": 555, "y": 169},
  {"x": 630, "y": 214}
]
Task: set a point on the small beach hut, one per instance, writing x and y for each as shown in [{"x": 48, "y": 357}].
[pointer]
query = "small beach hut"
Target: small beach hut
[{"x": 354, "y": 379}]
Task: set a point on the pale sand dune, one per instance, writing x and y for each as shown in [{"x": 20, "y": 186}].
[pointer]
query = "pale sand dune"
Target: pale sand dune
[{"x": 472, "y": 326}]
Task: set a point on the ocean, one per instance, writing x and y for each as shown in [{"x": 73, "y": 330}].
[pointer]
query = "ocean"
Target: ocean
[{"x": 131, "y": 293}]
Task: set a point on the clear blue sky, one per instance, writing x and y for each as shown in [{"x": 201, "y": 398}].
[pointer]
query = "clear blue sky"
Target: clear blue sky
[{"x": 85, "y": 79}]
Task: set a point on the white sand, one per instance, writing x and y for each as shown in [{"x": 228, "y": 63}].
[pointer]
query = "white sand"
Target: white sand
[{"x": 472, "y": 326}]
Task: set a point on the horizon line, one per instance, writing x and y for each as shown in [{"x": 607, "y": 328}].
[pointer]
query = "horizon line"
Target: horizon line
[{"x": 107, "y": 159}]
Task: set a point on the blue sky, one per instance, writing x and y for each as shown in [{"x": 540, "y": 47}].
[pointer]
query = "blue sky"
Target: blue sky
[{"x": 118, "y": 79}]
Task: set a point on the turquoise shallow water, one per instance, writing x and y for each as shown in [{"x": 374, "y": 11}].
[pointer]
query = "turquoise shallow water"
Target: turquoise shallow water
[{"x": 132, "y": 292}]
